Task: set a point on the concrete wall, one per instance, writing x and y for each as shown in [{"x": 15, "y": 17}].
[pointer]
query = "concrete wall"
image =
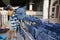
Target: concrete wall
[
  {"x": 4, "y": 17},
  {"x": 36, "y": 13}
]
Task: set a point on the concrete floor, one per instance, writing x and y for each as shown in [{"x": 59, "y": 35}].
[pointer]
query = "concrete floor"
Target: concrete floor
[{"x": 19, "y": 37}]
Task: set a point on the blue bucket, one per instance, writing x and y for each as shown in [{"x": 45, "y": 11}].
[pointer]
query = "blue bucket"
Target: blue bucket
[{"x": 2, "y": 37}]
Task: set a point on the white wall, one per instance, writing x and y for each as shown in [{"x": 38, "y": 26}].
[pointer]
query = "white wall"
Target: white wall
[{"x": 45, "y": 9}]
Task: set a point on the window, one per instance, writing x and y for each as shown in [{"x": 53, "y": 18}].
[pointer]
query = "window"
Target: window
[
  {"x": 38, "y": 5},
  {"x": 53, "y": 9},
  {"x": 6, "y": 1},
  {"x": 19, "y": 3},
  {"x": 2, "y": 4}
]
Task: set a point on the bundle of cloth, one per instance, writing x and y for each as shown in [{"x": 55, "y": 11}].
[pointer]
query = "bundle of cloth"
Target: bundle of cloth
[{"x": 39, "y": 26}]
